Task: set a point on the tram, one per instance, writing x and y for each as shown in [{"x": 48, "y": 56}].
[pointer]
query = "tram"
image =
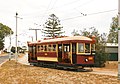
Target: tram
[{"x": 66, "y": 52}]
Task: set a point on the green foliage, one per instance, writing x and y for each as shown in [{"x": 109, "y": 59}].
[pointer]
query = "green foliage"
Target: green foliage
[
  {"x": 75, "y": 33},
  {"x": 100, "y": 57},
  {"x": 4, "y": 31},
  {"x": 52, "y": 27},
  {"x": 113, "y": 33}
]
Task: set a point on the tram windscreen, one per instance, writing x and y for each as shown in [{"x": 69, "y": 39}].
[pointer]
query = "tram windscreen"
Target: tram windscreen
[
  {"x": 87, "y": 48},
  {"x": 83, "y": 47}
]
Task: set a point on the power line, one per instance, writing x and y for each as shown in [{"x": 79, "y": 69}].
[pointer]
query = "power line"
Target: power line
[
  {"x": 47, "y": 8},
  {"x": 52, "y": 6},
  {"x": 102, "y": 12},
  {"x": 89, "y": 14},
  {"x": 66, "y": 4}
]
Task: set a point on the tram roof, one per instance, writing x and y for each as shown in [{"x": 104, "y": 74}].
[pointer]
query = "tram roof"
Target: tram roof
[
  {"x": 64, "y": 39},
  {"x": 70, "y": 38}
]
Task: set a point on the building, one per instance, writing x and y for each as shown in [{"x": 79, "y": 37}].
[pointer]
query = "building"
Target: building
[{"x": 112, "y": 50}]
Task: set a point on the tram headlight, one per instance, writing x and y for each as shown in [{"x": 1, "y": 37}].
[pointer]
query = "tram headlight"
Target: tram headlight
[{"x": 86, "y": 60}]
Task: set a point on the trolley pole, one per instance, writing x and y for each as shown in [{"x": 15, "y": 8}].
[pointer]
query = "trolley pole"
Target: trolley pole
[{"x": 119, "y": 39}]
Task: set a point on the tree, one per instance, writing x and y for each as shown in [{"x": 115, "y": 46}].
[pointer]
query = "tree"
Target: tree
[
  {"x": 100, "y": 57},
  {"x": 52, "y": 27},
  {"x": 4, "y": 32},
  {"x": 113, "y": 33},
  {"x": 75, "y": 33}
]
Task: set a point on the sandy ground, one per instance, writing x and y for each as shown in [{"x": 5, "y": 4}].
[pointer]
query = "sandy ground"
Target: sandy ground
[
  {"x": 4, "y": 54},
  {"x": 22, "y": 73},
  {"x": 15, "y": 73},
  {"x": 111, "y": 67}
]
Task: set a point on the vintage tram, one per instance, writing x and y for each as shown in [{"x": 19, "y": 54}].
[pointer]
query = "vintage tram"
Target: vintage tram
[{"x": 66, "y": 52}]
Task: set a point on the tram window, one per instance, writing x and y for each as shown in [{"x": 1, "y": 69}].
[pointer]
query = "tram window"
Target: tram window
[
  {"x": 54, "y": 47},
  {"x": 80, "y": 48},
  {"x": 49, "y": 47},
  {"x": 45, "y": 48},
  {"x": 60, "y": 48},
  {"x": 66, "y": 48},
  {"x": 38, "y": 48},
  {"x": 93, "y": 47},
  {"x": 41, "y": 49},
  {"x": 87, "y": 48},
  {"x": 30, "y": 49}
]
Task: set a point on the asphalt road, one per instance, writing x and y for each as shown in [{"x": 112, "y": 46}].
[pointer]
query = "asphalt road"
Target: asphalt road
[{"x": 4, "y": 58}]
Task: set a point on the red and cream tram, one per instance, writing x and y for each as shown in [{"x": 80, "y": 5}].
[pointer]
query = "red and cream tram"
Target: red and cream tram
[{"x": 74, "y": 51}]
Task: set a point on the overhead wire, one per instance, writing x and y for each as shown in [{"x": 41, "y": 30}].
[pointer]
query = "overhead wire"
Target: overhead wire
[
  {"x": 89, "y": 14},
  {"x": 49, "y": 9},
  {"x": 66, "y": 4}
]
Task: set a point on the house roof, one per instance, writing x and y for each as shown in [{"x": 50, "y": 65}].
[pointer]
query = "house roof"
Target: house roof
[{"x": 112, "y": 44}]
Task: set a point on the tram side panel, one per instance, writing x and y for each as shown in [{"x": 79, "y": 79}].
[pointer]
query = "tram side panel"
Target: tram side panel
[{"x": 47, "y": 56}]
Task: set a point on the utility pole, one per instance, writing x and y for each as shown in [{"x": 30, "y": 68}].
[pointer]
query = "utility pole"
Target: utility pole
[
  {"x": 16, "y": 54},
  {"x": 10, "y": 47},
  {"x": 35, "y": 32},
  {"x": 119, "y": 39}
]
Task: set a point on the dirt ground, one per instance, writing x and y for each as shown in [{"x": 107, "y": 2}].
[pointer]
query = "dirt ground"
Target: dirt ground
[
  {"x": 111, "y": 68},
  {"x": 3, "y": 54},
  {"x": 15, "y": 73}
]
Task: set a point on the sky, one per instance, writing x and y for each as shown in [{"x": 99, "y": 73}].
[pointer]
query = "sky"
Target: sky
[{"x": 99, "y": 14}]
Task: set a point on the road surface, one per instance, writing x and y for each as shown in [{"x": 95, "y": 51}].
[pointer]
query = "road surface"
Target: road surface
[{"x": 4, "y": 58}]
